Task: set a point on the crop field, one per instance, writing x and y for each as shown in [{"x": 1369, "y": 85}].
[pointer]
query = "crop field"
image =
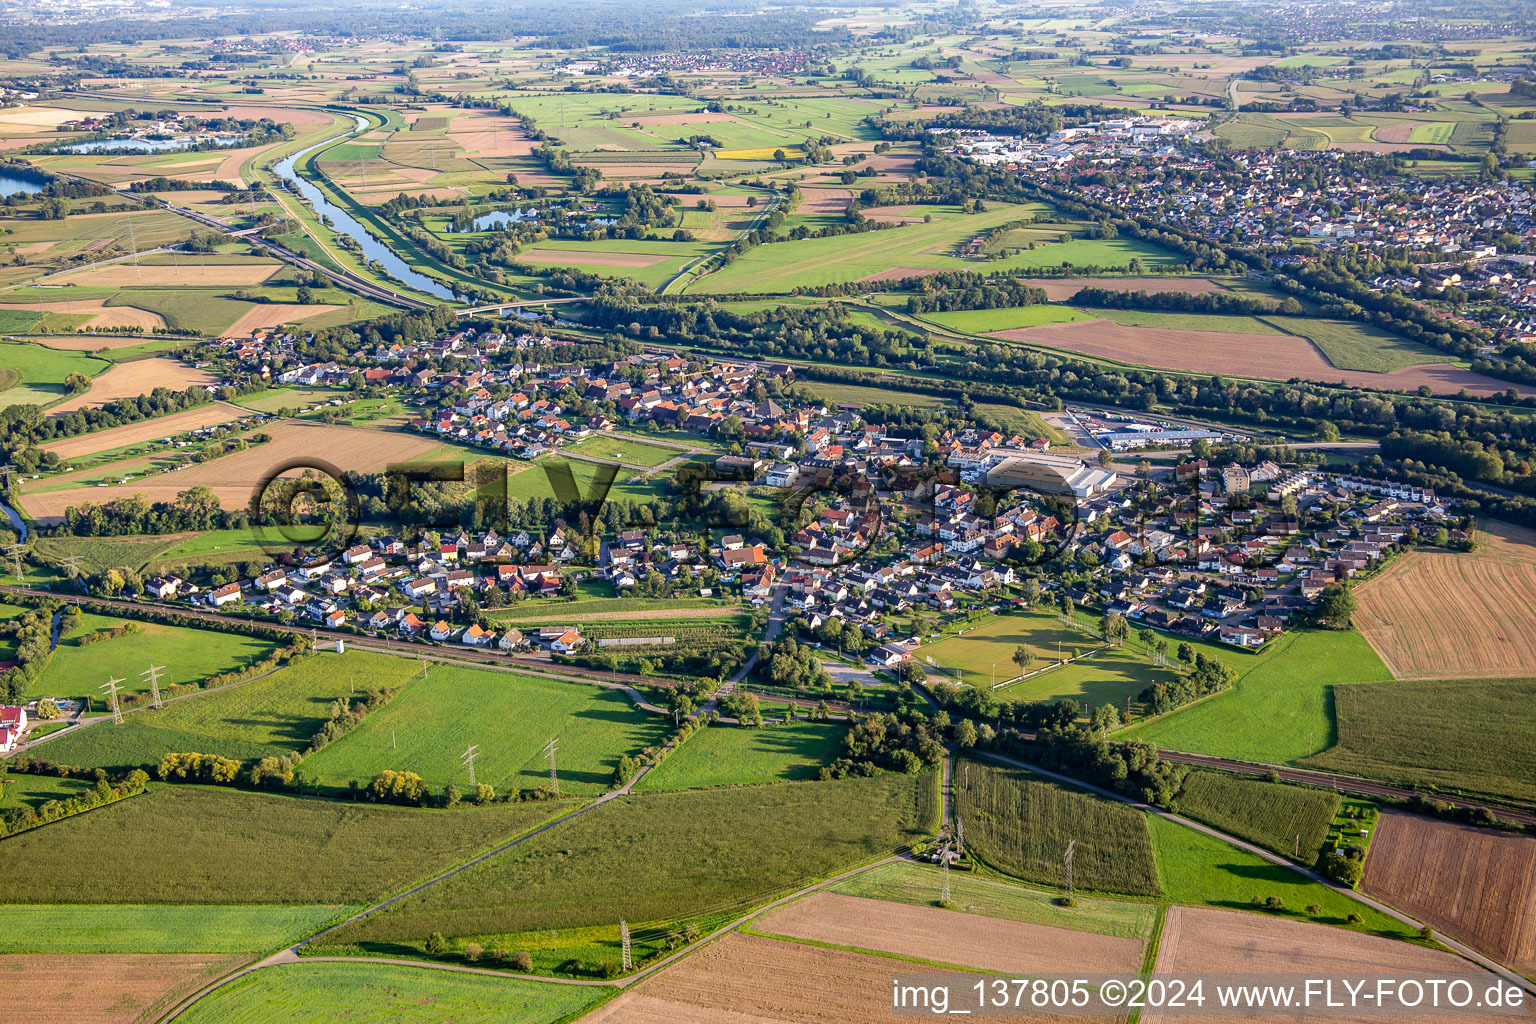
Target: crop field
[
  {"x": 268, "y": 717},
  {"x": 114, "y": 438},
  {"x": 1438, "y": 734},
  {"x": 1021, "y": 825},
  {"x": 1442, "y": 614},
  {"x": 947, "y": 936},
  {"x": 192, "y": 654},
  {"x": 181, "y": 843},
  {"x": 35, "y": 790},
  {"x": 1197, "y": 939},
  {"x": 159, "y": 928},
  {"x": 921, "y": 885},
  {"x": 1474, "y": 885},
  {"x": 1233, "y": 353},
  {"x": 510, "y": 717},
  {"x": 659, "y": 857},
  {"x": 724, "y": 755},
  {"x": 129, "y": 380},
  {"x": 1062, "y": 289},
  {"x": 1290, "y": 820},
  {"x": 1187, "y": 321},
  {"x": 597, "y": 609},
  {"x": 975, "y": 653},
  {"x": 75, "y": 988},
  {"x": 234, "y": 477},
  {"x": 1279, "y": 710},
  {"x": 364, "y": 993},
  {"x": 725, "y": 981}
]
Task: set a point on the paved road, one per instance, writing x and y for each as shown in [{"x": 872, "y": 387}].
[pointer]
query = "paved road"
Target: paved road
[{"x": 1359, "y": 897}]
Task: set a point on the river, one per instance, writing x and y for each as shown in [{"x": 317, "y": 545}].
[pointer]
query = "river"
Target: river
[
  {"x": 17, "y": 523},
  {"x": 344, "y": 223}
]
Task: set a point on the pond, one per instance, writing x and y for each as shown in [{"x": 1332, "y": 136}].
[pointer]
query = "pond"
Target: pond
[
  {"x": 11, "y": 186},
  {"x": 140, "y": 145}
]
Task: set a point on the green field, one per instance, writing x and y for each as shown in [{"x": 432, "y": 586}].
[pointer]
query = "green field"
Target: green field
[
  {"x": 1289, "y": 820},
  {"x": 1110, "y": 676},
  {"x": 728, "y": 755},
  {"x": 921, "y": 885},
  {"x": 275, "y": 715},
  {"x": 159, "y": 928},
  {"x": 1279, "y": 710},
  {"x": 1018, "y": 823},
  {"x": 364, "y": 993},
  {"x": 624, "y": 450},
  {"x": 659, "y": 857},
  {"x": 41, "y": 372},
  {"x": 983, "y": 654},
  {"x": 191, "y": 655},
  {"x": 1435, "y": 133},
  {"x": 509, "y": 717},
  {"x": 1470, "y": 736},
  {"x": 545, "y": 610},
  {"x": 199, "y": 844},
  {"x": 1354, "y": 346},
  {"x": 981, "y": 321},
  {"x": 35, "y": 790},
  {"x": 1187, "y": 321},
  {"x": 1204, "y": 871},
  {"x": 781, "y": 266}
]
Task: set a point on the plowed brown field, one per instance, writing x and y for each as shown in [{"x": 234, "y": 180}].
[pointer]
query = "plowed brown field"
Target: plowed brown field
[
  {"x": 949, "y": 936},
  {"x": 144, "y": 430},
  {"x": 233, "y": 478},
  {"x": 93, "y": 989},
  {"x": 1438, "y": 615},
  {"x": 744, "y": 979},
  {"x": 1474, "y": 885},
  {"x": 130, "y": 380},
  {"x": 1200, "y": 941},
  {"x": 1234, "y": 354}
]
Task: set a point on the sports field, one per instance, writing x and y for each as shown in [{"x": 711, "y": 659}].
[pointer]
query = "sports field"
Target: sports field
[{"x": 983, "y": 655}]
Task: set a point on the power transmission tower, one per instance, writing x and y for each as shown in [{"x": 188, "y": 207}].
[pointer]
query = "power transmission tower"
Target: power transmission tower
[
  {"x": 469, "y": 762},
  {"x": 959, "y": 834},
  {"x": 944, "y": 893},
  {"x": 1071, "y": 850},
  {"x": 153, "y": 674},
  {"x": 625, "y": 962},
  {"x": 549, "y": 751},
  {"x": 16, "y": 551},
  {"x": 110, "y": 689},
  {"x": 71, "y": 564},
  {"x": 967, "y": 777}
]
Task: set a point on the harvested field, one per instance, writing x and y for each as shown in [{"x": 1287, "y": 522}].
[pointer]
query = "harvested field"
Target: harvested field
[
  {"x": 1385, "y": 147},
  {"x": 273, "y": 314},
  {"x": 186, "y": 276},
  {"x": 1443, "y": 614},
  {"x": 130, "y": 380},
  {"x": 590, "y": 259},
  {"x": 949, "y": 936},
  {"x": 100, "y": 314},
  {"x": 825, "y": 200},
  {"x": 234, "y": 477},
  {"x": 745, "y": 979},
  {"x": 104, "y": 989},
  {"x": 1476, "y": 886},
  {"x": 144, "y": 430},
  {"x": 1224, "y": 941},
  {"x": 1398, "y": 132},
  {"x": 1060, "y": 289},
  {"x": 506, "y": 142},
  {"x": 895, "y": 215},
  {"x": 1234, "y": 354},
  {"x": 292, "y": 115}
]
